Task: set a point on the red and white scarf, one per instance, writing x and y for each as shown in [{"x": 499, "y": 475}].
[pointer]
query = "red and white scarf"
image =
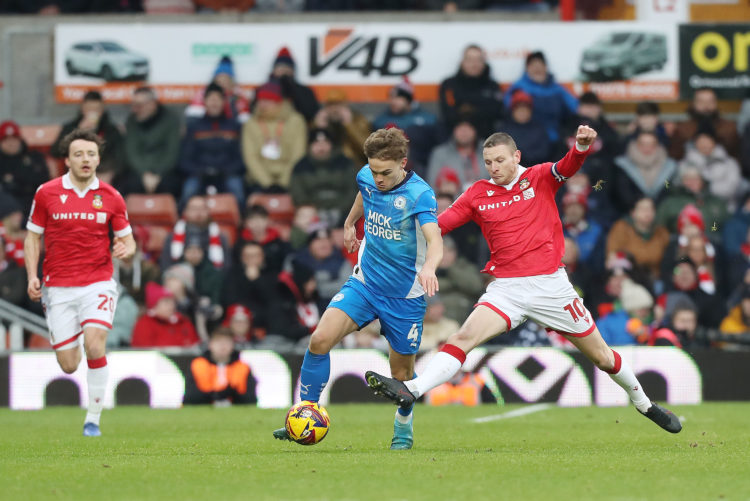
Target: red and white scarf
[{"x": 215, "y": 250}]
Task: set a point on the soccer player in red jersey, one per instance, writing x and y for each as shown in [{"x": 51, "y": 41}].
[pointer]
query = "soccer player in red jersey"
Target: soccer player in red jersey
[
  {"x": 518, "y": 216},
  {"x": 74, "y": 212}
]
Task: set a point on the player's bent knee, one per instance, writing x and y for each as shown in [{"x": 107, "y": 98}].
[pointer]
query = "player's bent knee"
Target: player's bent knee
[
  {"x": 320, "y": 342},
  {"x": 69, "y": 367}
]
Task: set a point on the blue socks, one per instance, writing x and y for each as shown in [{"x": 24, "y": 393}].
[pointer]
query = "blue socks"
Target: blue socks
[{"x": 316, "y": 369}]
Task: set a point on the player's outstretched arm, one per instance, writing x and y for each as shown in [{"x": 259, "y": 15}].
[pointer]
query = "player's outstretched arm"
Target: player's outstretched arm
[
  {"x": 124, "y": 247},
  {"x": 350, "y": 231},
  {"x": 32, "y": 248},
  {"x": 427, "y": 277},
  {"x": 573, "y": 160}
]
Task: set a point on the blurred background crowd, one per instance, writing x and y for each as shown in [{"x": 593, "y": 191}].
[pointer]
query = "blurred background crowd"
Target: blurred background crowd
[{"x": 237, "y": 201}]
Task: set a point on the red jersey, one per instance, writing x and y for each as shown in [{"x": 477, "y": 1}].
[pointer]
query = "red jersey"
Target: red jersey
[
  {"x": 76, "y": 228},
  {"x": 520, "y": 221}
]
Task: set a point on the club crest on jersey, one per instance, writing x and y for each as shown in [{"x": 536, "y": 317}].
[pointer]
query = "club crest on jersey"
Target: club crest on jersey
[
  {"x": 63, "y": 198},
  {"x": 524, "y": 183},
  {"x": 97, "y": 203},
  {"x": 400, "y": 202},
  {"x": 338, "y": 297},
  {"x": 490, "y": 193}
]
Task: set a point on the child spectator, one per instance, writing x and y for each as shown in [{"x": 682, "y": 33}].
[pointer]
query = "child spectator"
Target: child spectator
[{"x": 162, "y": 325}]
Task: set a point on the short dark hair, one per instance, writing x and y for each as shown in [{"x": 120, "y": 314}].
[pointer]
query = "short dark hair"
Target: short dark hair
[
  {"x": 148, "y": 91},
  {"x": 647, "y": 108},
  {"x": 212, "y": 87},
  {"x": 499, "y": 138},
  {"x": 256, "y": 210},
  {"x": 76, "y": 134},
  {"x": 222, "y": 332},
  {"x": 387, "y": 144},
  {"x": 93, "y": 95},
  {"x": 537, "y": 54},
  {"x": 590, "y": 97}
]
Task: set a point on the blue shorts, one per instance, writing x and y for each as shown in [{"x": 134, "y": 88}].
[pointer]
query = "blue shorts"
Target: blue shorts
[{"x": 400, "y": 318}]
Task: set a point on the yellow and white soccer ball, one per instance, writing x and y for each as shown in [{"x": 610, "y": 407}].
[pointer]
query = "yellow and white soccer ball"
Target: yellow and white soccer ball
[{"x": 307, "y": 423}]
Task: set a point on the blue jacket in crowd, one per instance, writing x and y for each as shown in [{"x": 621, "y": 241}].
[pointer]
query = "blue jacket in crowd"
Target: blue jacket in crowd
[{"x": 552, "y": 102}]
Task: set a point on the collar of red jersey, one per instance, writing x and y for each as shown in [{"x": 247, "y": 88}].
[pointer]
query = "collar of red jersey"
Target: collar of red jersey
[
  {"x": 509, "y": 186},
  {"x": 68, "y": 184}
]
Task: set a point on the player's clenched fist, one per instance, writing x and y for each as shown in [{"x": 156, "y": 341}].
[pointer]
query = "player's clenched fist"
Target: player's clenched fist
[
  {"x": 585, "y": 135},
  {"x": 34, "y": 289}
]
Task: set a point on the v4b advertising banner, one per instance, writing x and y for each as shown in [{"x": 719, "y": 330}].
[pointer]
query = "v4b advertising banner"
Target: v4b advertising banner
[
  {"x": 715, "y": 56},
  {"x": 619, "y": 60}
]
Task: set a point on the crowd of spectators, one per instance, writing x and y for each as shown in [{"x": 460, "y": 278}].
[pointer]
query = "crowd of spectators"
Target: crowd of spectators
[{"x": 657, "y": 222}]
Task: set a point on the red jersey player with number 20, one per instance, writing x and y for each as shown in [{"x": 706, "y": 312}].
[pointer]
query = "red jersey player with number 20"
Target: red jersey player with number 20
[
  {"x": 517, "y": 213},
  {"x": 74, "y": 212}
]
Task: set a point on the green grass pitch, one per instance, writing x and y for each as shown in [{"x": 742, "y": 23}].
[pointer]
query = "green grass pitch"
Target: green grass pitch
[{"x": 213, "y": 454}]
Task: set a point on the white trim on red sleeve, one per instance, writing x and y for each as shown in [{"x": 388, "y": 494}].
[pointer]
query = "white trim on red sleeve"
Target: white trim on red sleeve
[
  {"x": 125, "y": 231},
  {"x": 34, "y": 227}
]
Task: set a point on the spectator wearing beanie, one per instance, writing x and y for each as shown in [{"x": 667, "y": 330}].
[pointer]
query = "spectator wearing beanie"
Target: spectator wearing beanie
[
  {"x": 236, "y": 103},
  {"x": 462, "y": 153},
  {"x": 634, "y": 303},
  {"x": 211, "y": 151},
  {"x": 529, "y": 134},
  {"x": 638, "y": 235},
  {"x": 162, "y": 325},
  {"x": 472, "y": 90},
  {"x": 240, "y": 322},
  {"x": 419, "y": 125},
  {"x": 302, "y": 97},
  {"x": 21, "y": 170},
  {"x": 324, "y": 178},
  {"x": 273, "y": 140},
  {"x": 553, "y": 104}
]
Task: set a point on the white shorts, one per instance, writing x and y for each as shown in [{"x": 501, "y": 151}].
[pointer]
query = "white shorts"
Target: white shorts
[
  {"x": 69, "y": 309},
  {"x": 549, "y": 300}
]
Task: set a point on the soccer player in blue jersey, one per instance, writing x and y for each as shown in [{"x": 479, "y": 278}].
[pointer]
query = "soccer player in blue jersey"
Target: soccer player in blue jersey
[{"x": 398, "y": 256}]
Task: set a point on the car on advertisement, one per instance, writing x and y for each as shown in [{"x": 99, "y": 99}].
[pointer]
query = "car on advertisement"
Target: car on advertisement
[
  {"x": 622, "y": 55},
  {"x": 106, "y": 59}
]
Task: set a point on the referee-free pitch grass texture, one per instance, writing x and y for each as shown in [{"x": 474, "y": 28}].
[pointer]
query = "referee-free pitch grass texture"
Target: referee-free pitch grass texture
[{"x": 212, "y": 454}]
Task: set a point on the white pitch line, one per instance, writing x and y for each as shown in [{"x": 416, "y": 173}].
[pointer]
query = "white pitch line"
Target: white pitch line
[{"x": 516, "y": 413}]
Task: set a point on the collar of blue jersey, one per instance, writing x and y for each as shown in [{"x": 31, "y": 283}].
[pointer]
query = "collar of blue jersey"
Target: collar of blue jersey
[
  {"x": 403, "y": 181},
  {"x": 510, "y": 185},
  {"x": 68, "y": 185}
]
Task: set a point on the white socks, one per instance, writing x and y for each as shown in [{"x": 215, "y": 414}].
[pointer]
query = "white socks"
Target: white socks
[
  {"x": 443, "y": 366},
  {"x": 627, "y": 380},
  {"x": 96, "y": 377}
]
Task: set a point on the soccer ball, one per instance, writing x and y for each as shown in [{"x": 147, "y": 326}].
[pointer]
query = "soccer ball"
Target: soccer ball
[{"x": 307, "y": 423}]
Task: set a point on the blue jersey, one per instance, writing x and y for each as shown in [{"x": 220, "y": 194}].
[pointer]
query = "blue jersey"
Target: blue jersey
[{"x": 393, "y": 249}]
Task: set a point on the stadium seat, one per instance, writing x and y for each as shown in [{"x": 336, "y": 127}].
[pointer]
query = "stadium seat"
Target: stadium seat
[
  {"x": 279, "y": 206},
  {"x": 150, "y": 210},
  {"x": 40, "y": 137},
  {"x": 223, "y": 209}
]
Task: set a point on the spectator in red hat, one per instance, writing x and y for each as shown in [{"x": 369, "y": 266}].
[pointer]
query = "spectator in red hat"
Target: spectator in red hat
[
  {"x": 302, "y": 97},
  {"x": 162, "y": 325},
  {"x": 21, "y": 170},
  {"x": 639, "y": 235},
  {"x": 273, "y": 140},
  {"x": 239, "y": 320},
  {"x": 588, "y": 234},
  {"x": 462, "y": 154},
  {"x": 691, "y": 189},
  {"x": 530, "y": 134}
]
